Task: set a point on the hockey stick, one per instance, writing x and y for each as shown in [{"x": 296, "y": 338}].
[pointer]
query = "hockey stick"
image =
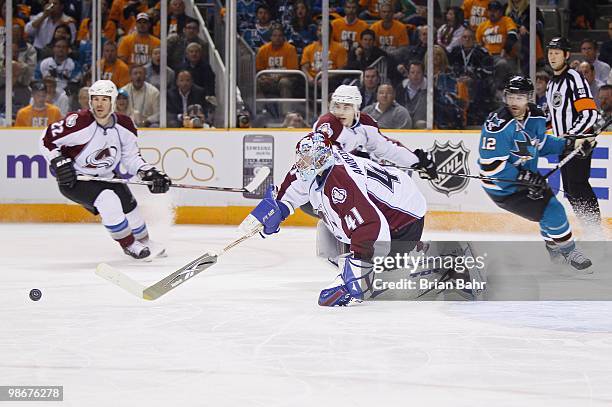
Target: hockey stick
[
  {"x": 171, "y": 281},
  {"x": 259, "y": 178}
]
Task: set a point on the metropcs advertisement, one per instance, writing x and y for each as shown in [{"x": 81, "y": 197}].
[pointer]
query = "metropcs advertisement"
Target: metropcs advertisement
[{"x": 231, "y": 158}]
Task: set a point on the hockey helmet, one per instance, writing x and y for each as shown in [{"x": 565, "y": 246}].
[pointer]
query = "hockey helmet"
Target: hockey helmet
[
  {"x": 104, "y": 87},
  {"x": 561, "y": 43},
  {"x": 520, "y": 86},
  {"x": 346, "y": 94},
  {"x": 313, "y": 155}
]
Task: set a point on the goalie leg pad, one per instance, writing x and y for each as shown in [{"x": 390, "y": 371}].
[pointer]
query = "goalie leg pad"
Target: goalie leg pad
[{"x": 328, "y": 247}]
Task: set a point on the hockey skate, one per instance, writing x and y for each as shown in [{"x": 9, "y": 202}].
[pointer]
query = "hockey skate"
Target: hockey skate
[
  {"x": 156, "y": 249},
  {"x": 577, "y": 259},
  {"x": 555, "y": 254},
  {"x": 138, "y": 251}
]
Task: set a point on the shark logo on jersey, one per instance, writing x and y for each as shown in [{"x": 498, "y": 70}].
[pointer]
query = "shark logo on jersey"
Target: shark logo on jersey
[
  {"x": 102, "y": 158},
  {"x": 525, "y": 149},
  {"x": 451, "y": 158},
  {"x": 494, "y": 122},
  {"x": 338, "y": 195}
]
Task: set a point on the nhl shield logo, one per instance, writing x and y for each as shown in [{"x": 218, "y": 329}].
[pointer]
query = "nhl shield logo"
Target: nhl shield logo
[{"x": 450, "y": 158}]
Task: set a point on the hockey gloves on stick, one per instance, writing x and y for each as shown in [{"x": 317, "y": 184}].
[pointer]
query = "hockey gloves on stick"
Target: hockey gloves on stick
[
  {"x": 64, "y": 171},
  {"x": 585, "y": 143},
  {"x": 426, "y": 165},
  {"x": 351, "y": 285},
  {"x": 160, "y": 182},
  {"x": 270, "y": 212},
  {"x": 534, "y": 181}
]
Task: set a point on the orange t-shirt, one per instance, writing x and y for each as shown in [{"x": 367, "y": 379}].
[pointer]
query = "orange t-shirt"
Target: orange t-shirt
[
  {"x": 475, "y": 12},
  {"x": 283, "y": 58},
  {"x": 347, "y": 34},
  {"x": 373, "y": 6},
  {"x": 116, "y": 13},
  {"x": 137, "y": 49},
  {"x": 396, "y": 36},
  {"x": 29, "y": 117},
  {"x": 312, "y": 55},
  {"x": 110, "y": 30},
  {"x": 118, "y": 72},
  {"x": 493, "y": 36}
]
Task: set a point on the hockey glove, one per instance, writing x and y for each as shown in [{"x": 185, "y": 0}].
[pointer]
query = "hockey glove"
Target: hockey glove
[
  {"x": 352, "y": 284},
  {"x": 160, "y": 182},
  {"x": 585, "y": 143},
  {"x": 270, "y": 212},
  {"x": 64, "y": 171},
  {"x": 426, "y": 165},
  {"x": 534, "y": 181}
]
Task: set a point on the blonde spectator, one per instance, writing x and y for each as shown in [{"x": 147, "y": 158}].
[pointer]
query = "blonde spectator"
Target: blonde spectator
[{"x": 84, "y": 98}]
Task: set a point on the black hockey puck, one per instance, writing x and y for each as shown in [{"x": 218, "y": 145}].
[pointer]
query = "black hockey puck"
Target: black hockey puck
[{"x": 35, "y": 294}]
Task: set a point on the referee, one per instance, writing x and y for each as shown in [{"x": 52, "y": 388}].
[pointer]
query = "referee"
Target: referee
[{"x": 572, "y": 112}]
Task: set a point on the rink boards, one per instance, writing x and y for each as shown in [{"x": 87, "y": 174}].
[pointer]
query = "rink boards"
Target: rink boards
[{"x": 227, "y": 158}]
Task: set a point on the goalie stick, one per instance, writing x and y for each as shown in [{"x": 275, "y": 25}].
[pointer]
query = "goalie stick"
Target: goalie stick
[
  {"x": 171, "y": 281},
  {"x": 259, "y": 178}
]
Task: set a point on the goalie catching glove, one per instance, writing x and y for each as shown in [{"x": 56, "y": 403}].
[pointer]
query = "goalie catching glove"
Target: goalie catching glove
[
  {"x": 160, "y": 182},
  {"x": 426, "y": 166},
  {"x": 269, "y": 212}
]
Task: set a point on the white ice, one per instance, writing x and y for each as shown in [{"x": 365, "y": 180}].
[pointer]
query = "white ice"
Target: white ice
[{"x": 249, "y": 332}]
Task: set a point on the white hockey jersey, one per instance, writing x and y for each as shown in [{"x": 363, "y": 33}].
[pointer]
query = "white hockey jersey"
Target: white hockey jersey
[
  {"x": 365, "y": 136},
  {"x": 95, "y": 150},
  {"x": 360, "y": 202}
]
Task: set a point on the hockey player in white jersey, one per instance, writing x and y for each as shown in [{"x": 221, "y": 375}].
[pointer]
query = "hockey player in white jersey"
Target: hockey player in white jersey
[
  {"x": 94, "y": 142},
  {"x": 362, "y": 204}
]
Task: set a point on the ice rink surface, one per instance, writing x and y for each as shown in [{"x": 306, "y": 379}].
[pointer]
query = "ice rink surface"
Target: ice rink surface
[{"x": 249, "y": 332}]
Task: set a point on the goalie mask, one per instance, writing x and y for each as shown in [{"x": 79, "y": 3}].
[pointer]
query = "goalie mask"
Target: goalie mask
[
  {"x": 104, "y": 88},
  {"x": 313, "y": 155},
  {"x": 345, "y": 104}
]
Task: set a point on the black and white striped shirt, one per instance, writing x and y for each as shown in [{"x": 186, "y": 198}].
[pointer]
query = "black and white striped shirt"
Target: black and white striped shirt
[{"x": 572, "y": 109}]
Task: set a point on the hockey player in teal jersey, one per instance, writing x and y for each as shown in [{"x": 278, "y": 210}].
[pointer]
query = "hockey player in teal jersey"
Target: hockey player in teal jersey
[{"x": 513, "y": 137}]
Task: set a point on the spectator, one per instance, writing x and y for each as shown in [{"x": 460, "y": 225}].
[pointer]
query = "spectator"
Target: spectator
[
  {"x": 472, "y": 65},
  {"x": 56, "y": 96},
  {"x": 302, "y": 30},
  {"x": 542, "y": 79},
  {"x": 259, "y": 34},
  {"x": 366, "y": 53},
  {"x": 114, "y": 69},
  {"x": 84, "y": 98},
  {"x": 60, "y": 66},
  {"x": 277, "y": 54},
  {"x": 178, "y": 43},
  {"x": 449, "y": 34},
  {"x": 153, "y": 69},
  {"x": 450, "y": 100},
  {"x": 605, "y": 53},
  {"x": 201, "y": 72},
  {"x": 294, "y": 120},
  {"x": 24, "y": 58},
  {"x": 177, "y": 19},
  {"x": 369, "y": 88},
  {"x": 42, "y": 26},
  {"x": 347, "y": 29},
  {"x": 588, "y": 48},
  {"x": 144, "y": 98},
  {"x": 372, "y": 9},
  {"x": 312, "y": 60},
  {"x": 518, "y": 11},
  {"x": 182, "y": 96},
  {"x": 125, "y": 12},
  {"x": 39, "y": 113},
  {"x": 137, "y": 48},
  {"x": 605, "y": 98},
  {"x": 122, "y": 104},
  {"x": 415, "y": 52},
  {"x": 498, "y": 34},
  {"x": 109, "y": 33},
  {"x": 476, "y": 12},
  {"x": 588, "y": 71},
  {"x": 386, "y": 111},
  {"x": 413, "y": 93},
  {"x": 62, "y": 31},
  {"x": 390, "y": 33}
]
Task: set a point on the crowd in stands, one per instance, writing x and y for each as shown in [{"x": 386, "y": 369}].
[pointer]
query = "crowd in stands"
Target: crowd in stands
[
  {"x": 478, "y": 46},
  {"x": 52, "y": 61}
]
